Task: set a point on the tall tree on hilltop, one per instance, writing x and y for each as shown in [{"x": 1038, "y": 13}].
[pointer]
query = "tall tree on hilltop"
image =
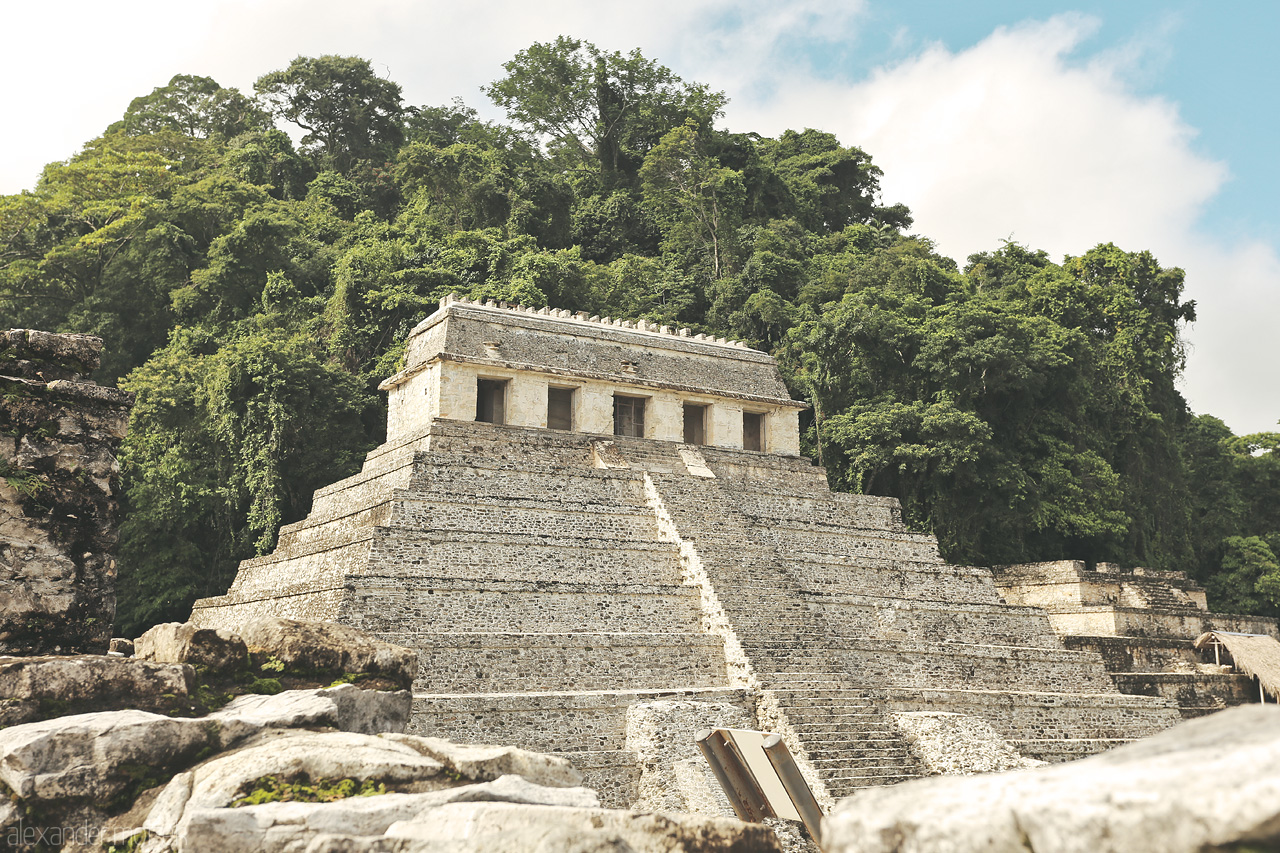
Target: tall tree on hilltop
[
  {"x": 194, "y": 106},
  {"x": 828, "y": 185},
  {"x": 350, "y": 114},
  {"x": 598, "y": 108},
  {"x": 697, "y": 201}
]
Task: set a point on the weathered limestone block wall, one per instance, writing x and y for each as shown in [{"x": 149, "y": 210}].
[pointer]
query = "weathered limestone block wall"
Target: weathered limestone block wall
[{"x": 59, "y": 494}]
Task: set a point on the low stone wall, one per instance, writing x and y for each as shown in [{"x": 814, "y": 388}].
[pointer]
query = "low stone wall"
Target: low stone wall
[
  {"x": 1197, "y": 693},
  {"x": 1143, "y": 622},
  {"x": 1021, "y": 716},
  {"x": 59, "y": 494}
]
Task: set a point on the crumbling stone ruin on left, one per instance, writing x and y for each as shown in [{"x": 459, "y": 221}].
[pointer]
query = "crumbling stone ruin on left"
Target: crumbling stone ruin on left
[{"x": 59, "y": 494}]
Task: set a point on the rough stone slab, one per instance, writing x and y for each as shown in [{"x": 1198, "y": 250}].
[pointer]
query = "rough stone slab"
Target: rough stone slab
[
  {"x": 281, "y": 827},
  {"x": 91, "y": 755},
  {"x": 482, "y": 762},
  {"x": 1208, "y": 784},
  {"x": 181, "y": 642},
  {"x": 662, "y": 735},
  {"x": 512, "y": 827},
  {"x": 75, "y": 354},
  {"x": 345, "y": 707},
  {"x": 287, "y": 755},
  {"x": 36, "y": 688},
  {"x": 329, "y": 647},
  {"x": 957, "y": 744}
]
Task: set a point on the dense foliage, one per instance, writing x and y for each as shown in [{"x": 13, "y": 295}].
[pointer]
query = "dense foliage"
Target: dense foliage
[{"x": 253, "y": 292}]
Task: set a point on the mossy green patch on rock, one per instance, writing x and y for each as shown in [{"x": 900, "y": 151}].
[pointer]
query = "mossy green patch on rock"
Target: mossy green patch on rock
[
  {"x": 303, "y": 789},
  {"x": 130, "y": 844}
]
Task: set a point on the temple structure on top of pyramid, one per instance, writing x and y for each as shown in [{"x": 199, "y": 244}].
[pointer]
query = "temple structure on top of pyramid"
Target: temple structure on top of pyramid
[{"x": 601, "y": 537}]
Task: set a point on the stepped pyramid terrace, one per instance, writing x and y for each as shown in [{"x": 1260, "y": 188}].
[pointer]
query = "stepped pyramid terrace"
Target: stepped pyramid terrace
[
  {"x": 585, "y": 525},
  {"x": 1145, "y": 623}
]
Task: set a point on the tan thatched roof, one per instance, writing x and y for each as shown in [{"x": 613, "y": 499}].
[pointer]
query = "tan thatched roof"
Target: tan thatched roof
[{"x": 1254, "y": 654}]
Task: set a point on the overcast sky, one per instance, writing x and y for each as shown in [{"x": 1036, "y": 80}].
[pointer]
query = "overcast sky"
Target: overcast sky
[{"x": 1060, "y": 125}]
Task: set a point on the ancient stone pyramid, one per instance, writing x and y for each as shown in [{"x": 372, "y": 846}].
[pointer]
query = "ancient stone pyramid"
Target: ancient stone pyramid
[{"x": 552, "y": 579}]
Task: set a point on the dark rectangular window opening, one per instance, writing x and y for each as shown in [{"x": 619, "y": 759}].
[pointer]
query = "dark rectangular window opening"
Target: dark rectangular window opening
[
  {"x": 560, "y": 408},
  {"x": 753, "y": 431},
  {"x": 695, "y": 424},
  {"x": 628, "y": 416},
  {"x": 491, "y": 401}
]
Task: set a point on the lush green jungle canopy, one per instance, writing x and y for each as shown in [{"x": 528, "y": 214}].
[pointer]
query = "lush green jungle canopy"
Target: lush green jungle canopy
[{"x": 253, "y": 292}]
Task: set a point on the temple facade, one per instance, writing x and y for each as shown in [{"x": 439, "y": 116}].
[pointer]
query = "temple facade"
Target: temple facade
[{"x": 558, "y": 370}]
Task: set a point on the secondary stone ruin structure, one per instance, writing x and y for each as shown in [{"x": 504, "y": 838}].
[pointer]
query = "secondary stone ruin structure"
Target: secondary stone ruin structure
[
  {"x": 594, "y": 529},
  {"x": 59, "y": 494},
  {"x": 1144, "y": 623}
]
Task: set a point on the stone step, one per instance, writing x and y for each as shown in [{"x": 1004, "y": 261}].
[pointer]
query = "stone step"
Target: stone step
[
  {"x": 1016, "y": 714},
  {"x": 1065, "y": 749},
  {"x": 829, "y": 756},
  {"x": 446, "y": 473},
  {"x": 513, "y": 606},
  {"x": 845, "y": 745},
  {"x": 493, "y": 662},
  {"x": 368, "y": 488},
  {"x": 528, "y": 559},
  {"x": 869, "y": 738},
  {"x": 871, "y": 764},
  {"x": 818, "y": 510},
  {"x": 855, "y": 779},
  {"x": 314, "y": 533},
  {"x": 848, "y": 787},
  {"x": 531, "y": 518},
  {"x": 924, "y": 621},
  {"x": 548, "y": 721}
]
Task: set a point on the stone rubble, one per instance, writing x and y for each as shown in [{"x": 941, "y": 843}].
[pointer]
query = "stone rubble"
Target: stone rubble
[{"x": 946, "y": 744}]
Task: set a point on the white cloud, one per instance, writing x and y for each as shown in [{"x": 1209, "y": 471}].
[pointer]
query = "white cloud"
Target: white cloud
[
  {"x": 66, "y": 91},
  {"x": 1010, "y": 139},
  {"x": 1233, "y": 370}
]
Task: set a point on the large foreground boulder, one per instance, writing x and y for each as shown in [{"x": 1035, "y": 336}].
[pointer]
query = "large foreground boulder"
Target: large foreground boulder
[
  {"x": 100, "y": 756},
  {"x": 507, "y": 827},
  {"x": 1211, "y": 784}
]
